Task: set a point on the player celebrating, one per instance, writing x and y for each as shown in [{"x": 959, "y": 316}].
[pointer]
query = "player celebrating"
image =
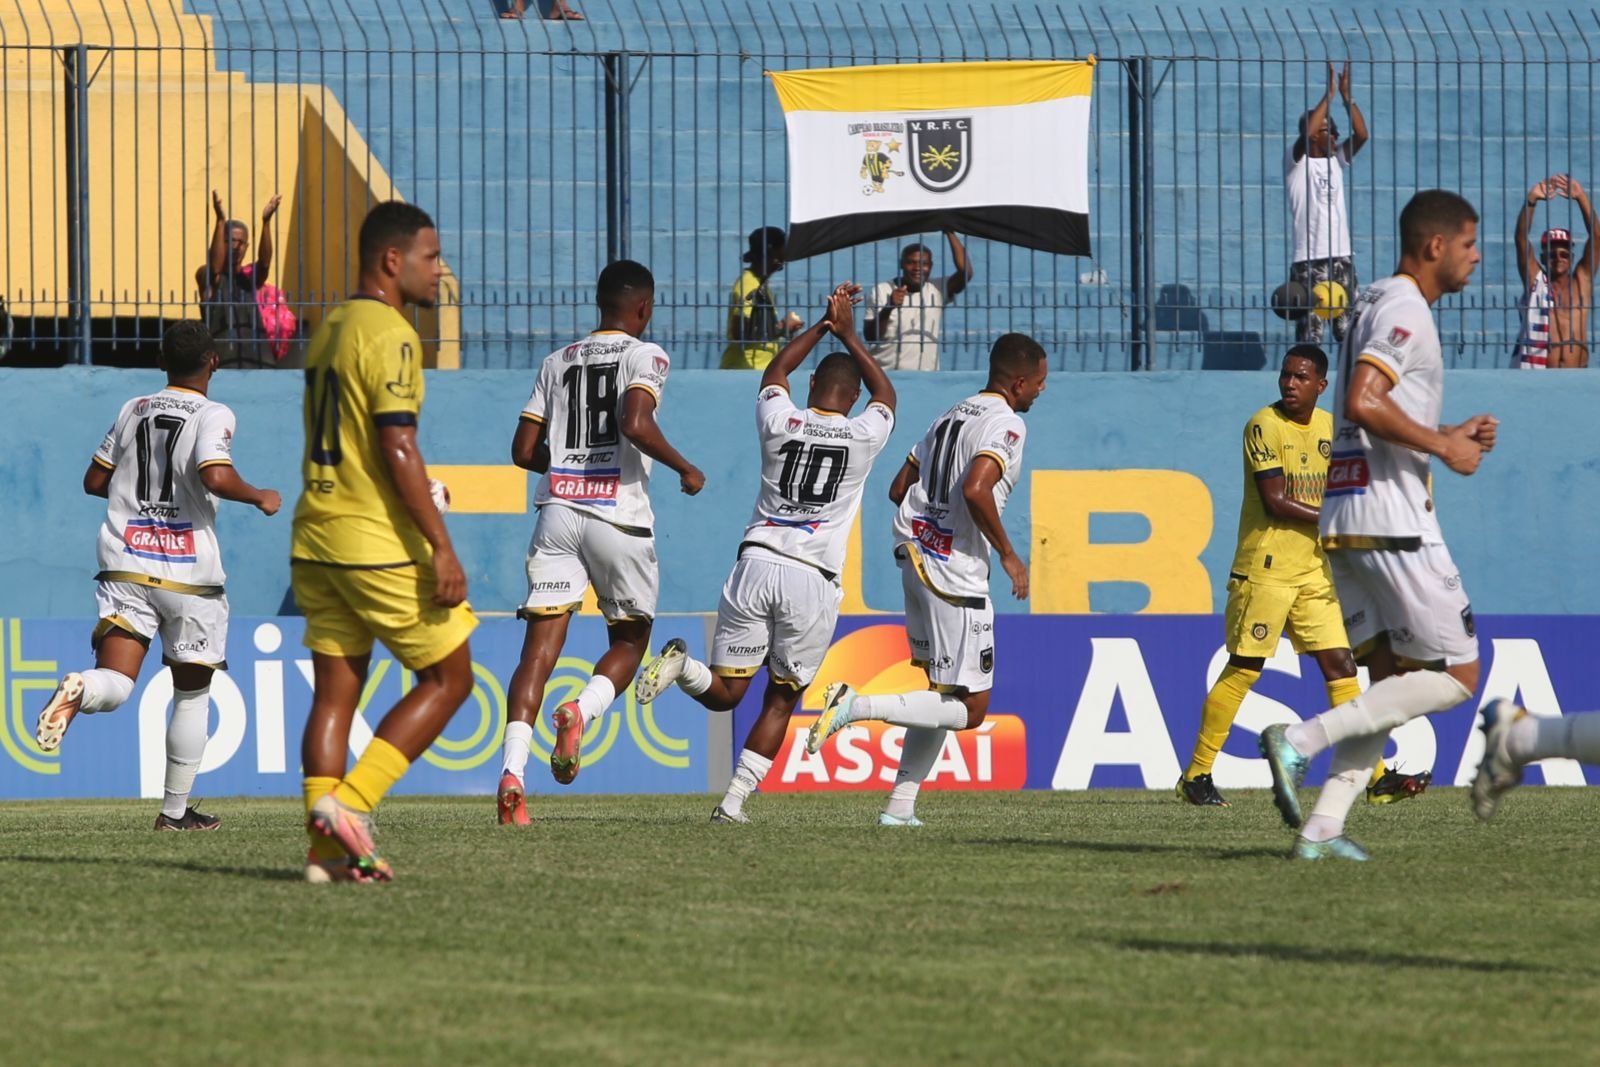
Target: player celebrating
[
  {"x": 166, "y": 461},
  {"x": 370, "y": 555},
  {"x": 590, "y": 428},
  {"x": 1280, "y": 575},
  {"x": 781, "y": 601},
  {"x": 1408, "y": 616},
  {"x": 951, "y": 491}
]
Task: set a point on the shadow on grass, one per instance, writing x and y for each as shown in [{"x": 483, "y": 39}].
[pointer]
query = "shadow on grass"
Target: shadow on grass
[
  {"x": 1132, "y": 847},
  {"x": 265, "y": 874},
  {"x": 1309, "y": 954}
]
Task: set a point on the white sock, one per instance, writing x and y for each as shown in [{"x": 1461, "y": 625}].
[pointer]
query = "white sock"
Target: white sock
[
  {"x": 1351, "y": 770},
  {"x": 1392, "y": 702},
  {"x": 922, "y": 708},
  {"x": 1535, "y": 737},
  {"x": 186, "y": 744},
  {"x": 696, "y": 678},
  {"x": 104, "y": 690},
  {"x": 1308, "y": 738},
  {"x": 920, "y": 748},
  {"x": 514, "y": 751},
  {"x": 747, "y": 775},
  {"x": 596, "y": 698}
]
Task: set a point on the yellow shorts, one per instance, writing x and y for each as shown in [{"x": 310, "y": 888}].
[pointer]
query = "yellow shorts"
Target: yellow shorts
[
  {"x": 346, "y": 608},
  {"x": 1257, "y": 614}
]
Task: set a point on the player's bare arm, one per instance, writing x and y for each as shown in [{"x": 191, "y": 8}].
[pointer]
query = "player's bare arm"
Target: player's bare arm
[
  {"x": 403, "y": 457},
  {"x": 904, "y": 479},
  {"x": 799, "y": 347},
  {"x": 639, "y": 426},
  {"x": 1585, "y": 267},
  {"x": 978, "y": 490},
  {"x": 842, "y": 321},
  {"x": 1369, "y": 405},
  {"x": 1358, "y": 122},
  {"x": 1526, "y": 254},
  {"x": 222, "y": 480},
  {"x": 97, "y": 480},
  {"x": 530, "y": 448},
  {"x": 963, "y": 273},
  {"x": 1274, "y": 489}
]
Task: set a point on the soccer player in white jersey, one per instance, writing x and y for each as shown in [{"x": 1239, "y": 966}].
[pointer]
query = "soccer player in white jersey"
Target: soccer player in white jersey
[
  {"x": 1408, "y": 617},
  {"x": 162, "y": 467},
  {"x": 780, "y": 603},
  {"x": 590, "y": 429},
  {"x": 951, "y": 491}
]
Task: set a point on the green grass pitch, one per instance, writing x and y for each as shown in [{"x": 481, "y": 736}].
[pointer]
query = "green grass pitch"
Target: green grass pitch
[{"x": 1109, "y": 927}]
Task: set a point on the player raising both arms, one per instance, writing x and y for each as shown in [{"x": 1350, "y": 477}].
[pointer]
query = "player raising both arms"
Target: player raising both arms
[
  {"x": 371, "y": 556},
  {"x": 951, "y": 491},
  {"x": 590, "y": 428},
  {"x": 780, "y": 603},
  {"x": 166, "y": 461}
]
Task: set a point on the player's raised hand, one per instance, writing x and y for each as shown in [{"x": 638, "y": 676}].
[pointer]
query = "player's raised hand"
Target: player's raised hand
[
  {"x": 449, "y": 580},
  {"x": 216, "y": 205},
  {"x": 1482, "y": 429},
  {"x": 1461, "y": 452},
  {"x": 841, "y": 317},
  {"x": 270, "y": 502},
  {"x": 1017, "y": 570},
  {"x": 692, "y": 480}
]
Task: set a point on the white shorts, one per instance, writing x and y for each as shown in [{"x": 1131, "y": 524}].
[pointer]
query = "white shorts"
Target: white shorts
[
  {"x": 776, "y": 612},
  {"x": 193, "y": 627},
  {"x": 571, "y": 551},
  {"x": 1414, "y": 597},
  {"x": 953, "y": 642}
]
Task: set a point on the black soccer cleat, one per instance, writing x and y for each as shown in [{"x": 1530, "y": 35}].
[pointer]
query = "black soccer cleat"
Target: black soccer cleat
[
  {"x": 1394, "y": 785},
  {"x": 1201, "y": 791},
  {"x": 191, "y": 820}
]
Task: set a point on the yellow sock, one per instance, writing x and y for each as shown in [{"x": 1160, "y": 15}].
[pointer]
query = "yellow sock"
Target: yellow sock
[
  {"x": 315, "y": 790},
  {"x": 1342, "y": 690},
  {"x": 1216, "y": 717},
  {"x": 374, "y": 774}
]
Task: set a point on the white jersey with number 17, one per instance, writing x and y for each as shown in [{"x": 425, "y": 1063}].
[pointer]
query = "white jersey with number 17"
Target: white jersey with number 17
[
  {"x": 160, "y": 518},
  {"x": 578, "y": 396},
  {"x": 933, "y": 517}
]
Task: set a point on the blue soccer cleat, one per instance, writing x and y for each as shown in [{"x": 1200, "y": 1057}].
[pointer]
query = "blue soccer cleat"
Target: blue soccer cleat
[
  {"x": 1288, "y": 772},
  {"x": 885, "y": 819},
  {"x": 1337, "y": 848}
]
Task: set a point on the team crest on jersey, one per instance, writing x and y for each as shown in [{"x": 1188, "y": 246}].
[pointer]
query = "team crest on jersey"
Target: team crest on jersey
[
  {"x": 794, "y": 424},
  {"x": 141, "y": 406},
  {"x": 941, "y": 150},
  {"x": 1012, "y": 437},
  {"x": 1325, "y": 449},
  {"x": 662, "y": 364},
  {"x": 1399, "y": 336}
]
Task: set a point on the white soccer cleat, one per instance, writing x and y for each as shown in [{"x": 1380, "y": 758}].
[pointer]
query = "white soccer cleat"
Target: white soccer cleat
[
  {"x": 885, "y": 819},
  {"x": 662, "y": 671},
  {"x": 1498, "y": 774},
  {"x": 838, "y": 701},
  {"x": 61, "y": 710}
]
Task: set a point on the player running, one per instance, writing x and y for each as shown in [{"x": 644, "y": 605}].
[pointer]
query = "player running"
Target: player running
[
  {"x": 1409, "y": 619},
  {"x": 781, "y": 601},
  {"x": 1280, "y": 576},
  {"x": 161, "y": 469},
  {"x": 951, "y": 491},
  {"x": 590, "y": 429},
  {"x": 371, "y": 557}
]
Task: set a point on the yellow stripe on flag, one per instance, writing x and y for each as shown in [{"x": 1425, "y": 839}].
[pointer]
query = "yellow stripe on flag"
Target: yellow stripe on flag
[
  {"x": 484, "y": 489},
  {"x": 931, "y": 86}
]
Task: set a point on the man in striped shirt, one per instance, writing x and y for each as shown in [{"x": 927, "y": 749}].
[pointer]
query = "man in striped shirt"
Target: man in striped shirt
[{"x": 1557, "y": 291}]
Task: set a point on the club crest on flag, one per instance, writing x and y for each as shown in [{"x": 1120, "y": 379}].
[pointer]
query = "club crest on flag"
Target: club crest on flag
[{"x": 941, "y": 151}]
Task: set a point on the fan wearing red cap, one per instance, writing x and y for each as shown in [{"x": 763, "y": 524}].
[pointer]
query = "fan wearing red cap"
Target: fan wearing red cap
[{"x": 1557, "y": 288}]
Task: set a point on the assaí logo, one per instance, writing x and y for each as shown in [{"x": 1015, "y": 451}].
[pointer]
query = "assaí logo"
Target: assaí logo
[{"x": 876, "y": 660}]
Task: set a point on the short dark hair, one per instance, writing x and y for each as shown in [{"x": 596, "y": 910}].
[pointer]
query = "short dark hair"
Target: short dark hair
[
  {"x": 619, "y": 280},
  {"x": 913, "y": 249},
  {"x": 391, "y": 224},
  {"x": 1014, "y": 355},
  {"x": 764, "y": 240},
  {"x": 838, "y": 370},
  {"x": 1431, "y": 212},
  {"x": 1307, "y": 350},
  {"x": 185, "y": 347},
  {"x": 1305, "y": 120}
]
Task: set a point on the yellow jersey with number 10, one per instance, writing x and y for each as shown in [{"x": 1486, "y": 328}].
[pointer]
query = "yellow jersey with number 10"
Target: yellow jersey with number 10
[
  {"x": 363, "y": 372},
  {"x": 1272, "y": 550}
]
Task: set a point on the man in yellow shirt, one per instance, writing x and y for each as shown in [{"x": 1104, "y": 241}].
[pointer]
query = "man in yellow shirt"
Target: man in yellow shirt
[
  {"x": 370, "y": 554},
  {"x": 1280, "y": 576},
  {"x": 754, "y": 332}
]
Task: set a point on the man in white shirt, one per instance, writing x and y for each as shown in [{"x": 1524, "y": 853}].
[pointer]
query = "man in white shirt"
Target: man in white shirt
[
  {"x": 1408, "y": 617},
  {"x": 1319, "y": 225},
  {"x": 904, "y": 316}
]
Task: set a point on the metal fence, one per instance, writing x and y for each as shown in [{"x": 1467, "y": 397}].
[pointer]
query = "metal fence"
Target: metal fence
[{"x": 545, "y": 149}]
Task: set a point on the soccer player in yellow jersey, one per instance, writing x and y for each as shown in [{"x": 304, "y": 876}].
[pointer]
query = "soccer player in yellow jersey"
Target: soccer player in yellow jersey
[
  {"x": 370, "y": 554},
  {"x": 1280, "y": 576}
]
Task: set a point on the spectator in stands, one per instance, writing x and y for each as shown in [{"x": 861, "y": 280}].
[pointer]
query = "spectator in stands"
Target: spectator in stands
[
  {"x": 1557, "y": 295},
  {"x": 904, "y": 315},
  {"x": 1313, "y": 176},
  {"x": 231, "y": 288},
  {"x": 558, "y": 10},
  {"x": 754, "y": 331}
]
